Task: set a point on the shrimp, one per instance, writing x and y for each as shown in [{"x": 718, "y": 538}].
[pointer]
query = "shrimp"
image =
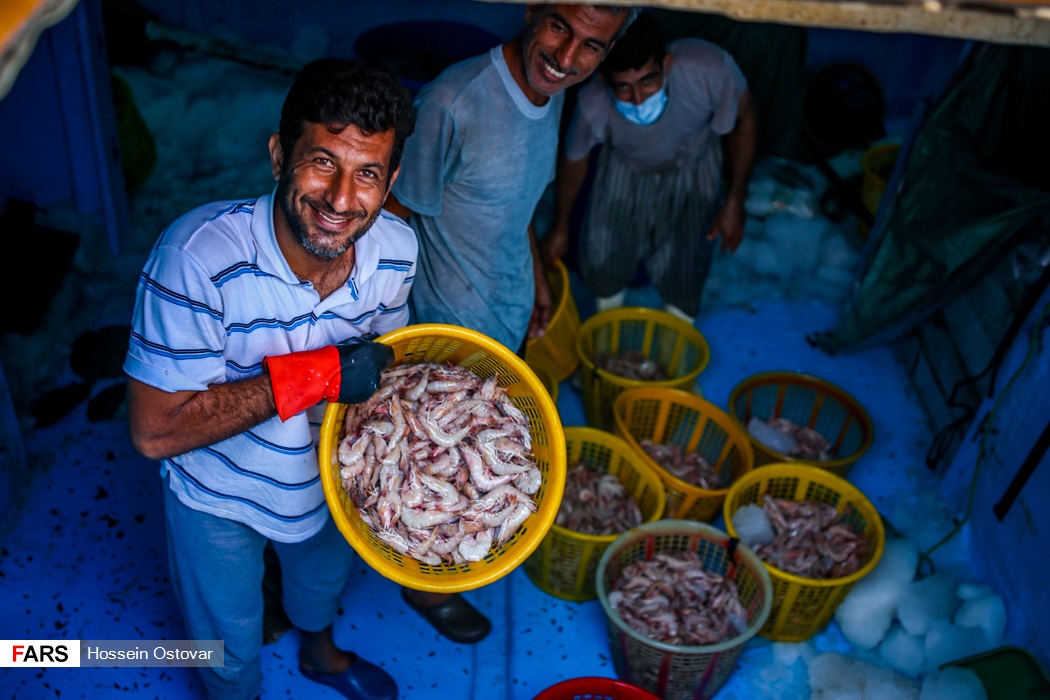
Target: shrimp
[{"x": 476, "y": 547}]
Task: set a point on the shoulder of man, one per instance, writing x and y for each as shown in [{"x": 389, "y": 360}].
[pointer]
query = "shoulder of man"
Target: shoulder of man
[{"x": 455, "y": 81}]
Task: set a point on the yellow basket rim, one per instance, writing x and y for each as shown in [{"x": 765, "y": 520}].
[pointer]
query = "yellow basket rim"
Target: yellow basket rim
[
  {"x": 562, "y": 273},
  {"x": 699, "y": 402},
  {"x": 864, "y": 419},
  {"x": 540, "y": 521},
  {"x": 584, "y": 433},
  {"x": 645, "y": 313},
  {"x": 845, "y": 488},
  {"x": 689, "y": 527}
]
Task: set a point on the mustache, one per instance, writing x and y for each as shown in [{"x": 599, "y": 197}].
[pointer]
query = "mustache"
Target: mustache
[
  {"x": 327, "y": 209},
  {"x": 557, "y": 66}
]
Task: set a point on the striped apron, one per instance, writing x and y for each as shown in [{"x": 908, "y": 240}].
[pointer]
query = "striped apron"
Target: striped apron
[{"x": 658, "y": 217}]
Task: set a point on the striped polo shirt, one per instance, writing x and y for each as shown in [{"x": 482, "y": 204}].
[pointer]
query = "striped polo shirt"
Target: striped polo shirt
[{"x": 215, "y": 297}]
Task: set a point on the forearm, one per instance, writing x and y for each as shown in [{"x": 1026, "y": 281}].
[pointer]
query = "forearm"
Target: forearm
[
  {"x": 166, "y": 424},
  {"x": 741, "y": 146},
  {"x": 571, "y": 175}
]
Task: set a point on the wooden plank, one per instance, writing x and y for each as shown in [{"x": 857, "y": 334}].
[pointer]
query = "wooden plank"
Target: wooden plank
[{"x": 997, "y": 22}]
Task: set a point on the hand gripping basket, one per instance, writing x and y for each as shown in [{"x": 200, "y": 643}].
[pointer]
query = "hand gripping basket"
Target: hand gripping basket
[
  {"x": 594, "y": 688},
  {"x": 662, "y": 337},
  {"x": 804, "y": 400},
  {"x": 681, "y": 672},
  {"x": 671, "y": 416},
  {"x": 802, "y": 607},
  {"x": 484, "y": 357},
  {"x": 566, "y": 561},
  {"x": 555, "y": 352}
]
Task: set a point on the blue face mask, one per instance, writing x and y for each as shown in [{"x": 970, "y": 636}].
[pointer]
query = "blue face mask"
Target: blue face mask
[{"x": 648, "y": 111}]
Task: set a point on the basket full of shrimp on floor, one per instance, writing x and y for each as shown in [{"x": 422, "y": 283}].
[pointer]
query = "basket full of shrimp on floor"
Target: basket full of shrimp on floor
[
  {"x": 681, "y": 599},
  {"x": 608, "y": 490},
  {"x": 693, "y": 446},
  {"x": 450, "y": 475},
  {"x": 632, "y": 347},
  {"x": 796, "y": 417},
  {"x": 816, "y": 533}
]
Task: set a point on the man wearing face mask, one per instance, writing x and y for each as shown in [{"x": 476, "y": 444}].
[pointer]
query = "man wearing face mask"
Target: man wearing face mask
[{"x": 665, "y": 116}]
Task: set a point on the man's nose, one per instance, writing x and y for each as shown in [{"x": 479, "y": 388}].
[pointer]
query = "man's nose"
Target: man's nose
[
  {"x": 636, "y": 95},
  {"x": 341, "y": 191}
]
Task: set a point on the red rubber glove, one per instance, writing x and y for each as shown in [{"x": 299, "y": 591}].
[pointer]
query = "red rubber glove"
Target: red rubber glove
[{"x": 346, "y": 373}]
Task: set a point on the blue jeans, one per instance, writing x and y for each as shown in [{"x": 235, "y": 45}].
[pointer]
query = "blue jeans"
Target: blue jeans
[{"x": 217, "y": 571}]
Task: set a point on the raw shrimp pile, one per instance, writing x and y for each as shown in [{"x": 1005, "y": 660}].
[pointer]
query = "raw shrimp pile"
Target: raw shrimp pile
[
  {"x": 632, "y": 365},
  {"x": 690, "y": 467},
  {"x": 811, "y": 540},
  {"x": 596, "y": 503},
  {"x": 438, "y": 463},
  {"x": 810, "y": 445},
  {"x": 673, "y": 599}
]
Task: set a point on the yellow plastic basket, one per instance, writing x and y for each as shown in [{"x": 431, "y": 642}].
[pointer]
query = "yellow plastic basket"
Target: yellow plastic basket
[
  {"x": 549, "y": 383},
  {"x": 805, "y": 400},
  {"x": 484, "y": 357},
  {"x": 675, "y": 417},
  {"x": 662, "y": 337},
  {"x": 566, "y": 561},
  {"x": 682, "y": 672},
  {"x": 802, "y": 607},
  {"x": 555, "y": 352}
]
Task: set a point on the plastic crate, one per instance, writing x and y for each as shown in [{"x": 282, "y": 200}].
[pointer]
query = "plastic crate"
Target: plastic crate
[
  {"x": 484, "y": 357},
  {"x": 660, "y": 336},
  {"x": 672, "y": 416},
  {"x": 802, "y": 607},
  {"x": 1008, "y": 673},
  {"x": 682, "y": 672},
  {"x": 805, "y": 400},
  {"x": 555, "y": 352},
  {"x": 565, "y": 563}
]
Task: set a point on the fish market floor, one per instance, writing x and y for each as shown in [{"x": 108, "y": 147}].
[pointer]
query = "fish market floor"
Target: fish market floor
[{"x": 83, "y": 557}]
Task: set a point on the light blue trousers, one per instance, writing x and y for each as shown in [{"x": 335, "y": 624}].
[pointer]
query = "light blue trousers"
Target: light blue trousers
[{"x": 217, "y": 570}]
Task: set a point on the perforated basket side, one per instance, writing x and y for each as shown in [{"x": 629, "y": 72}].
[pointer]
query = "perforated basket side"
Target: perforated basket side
[
  {"x": 565, "y": 563},
  {"x": 485, "y": 357},
  {"x": 665, "y": 339},
  {"x": 682, "y": 672},
  {"x": 802, "y": 607},
  {"x": 807, "y": 400},
  {"x": 555, "y": 351},
  {"x": 674, "y": 417}
]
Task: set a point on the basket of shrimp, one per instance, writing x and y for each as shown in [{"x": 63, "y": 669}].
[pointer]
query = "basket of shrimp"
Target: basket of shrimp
[
  {"x": 451, "y": 474},
  {"x": 681, "y": 599},
  {"x": 594, "y": 688},
  {"x": 548, "y": 381},
  {"x": 631, "y": 347},
  {"x": 608, "y": 490},
  {"x": 796, "y": 417},
  {"x": 555, "y": 350},
  {"x": 817, "y": 535},
  {"x": 693, "y": 446}
]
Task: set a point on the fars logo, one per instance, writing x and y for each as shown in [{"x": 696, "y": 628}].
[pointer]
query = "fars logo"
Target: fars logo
[{"x": 32, "y": 653}]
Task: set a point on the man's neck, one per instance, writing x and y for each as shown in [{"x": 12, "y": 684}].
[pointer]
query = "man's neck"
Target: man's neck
[{"x": 516, "y": 65}]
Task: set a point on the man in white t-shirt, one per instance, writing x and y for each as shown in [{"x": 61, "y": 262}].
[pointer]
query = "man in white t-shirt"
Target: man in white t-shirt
[
  {"x": 484, "y": 150},
  {"x": 249, "y": 315}
]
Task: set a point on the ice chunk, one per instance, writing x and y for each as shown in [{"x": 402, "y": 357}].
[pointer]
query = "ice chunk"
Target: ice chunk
[
  {"x": 904, "y": 652},
  {"x": 835, "y": 676},
  {"x": 869, "y": 608},
  {"x": 752, "y": 525},
  {"x": 771, "y": 437},
  {"x": 988, "y": 613},
  {"x": 947, "y": 642},
  {"x": 926, "y": 600},
  {"x": 953, "y": 683},
  {"x": 968, "y": 591}
]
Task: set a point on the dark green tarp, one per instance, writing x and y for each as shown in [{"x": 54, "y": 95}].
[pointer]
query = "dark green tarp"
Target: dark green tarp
[{"x": 974, "y": 183}]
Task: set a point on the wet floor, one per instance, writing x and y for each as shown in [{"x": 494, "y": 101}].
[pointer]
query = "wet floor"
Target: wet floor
[{"x": 84, "y": 558}]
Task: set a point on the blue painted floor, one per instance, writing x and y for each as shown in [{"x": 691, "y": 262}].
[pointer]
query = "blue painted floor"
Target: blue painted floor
[{"x": 84, "y": 556}]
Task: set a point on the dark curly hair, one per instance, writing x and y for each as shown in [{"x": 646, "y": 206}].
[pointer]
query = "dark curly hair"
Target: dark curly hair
[
  {"x": 339, "y": 92},
  {"x": 643, "y": 40}
]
